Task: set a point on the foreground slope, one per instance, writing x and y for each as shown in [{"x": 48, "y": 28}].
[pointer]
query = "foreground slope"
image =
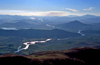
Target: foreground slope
[{"x": 76, "y": 56}]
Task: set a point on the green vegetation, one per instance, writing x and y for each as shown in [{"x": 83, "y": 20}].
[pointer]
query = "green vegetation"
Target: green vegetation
[
  {"x": 10, "y": 40},
  {"x": 11, "y": 43}
]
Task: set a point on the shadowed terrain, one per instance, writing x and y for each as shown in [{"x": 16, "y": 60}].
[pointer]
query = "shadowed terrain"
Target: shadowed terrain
[{"x": 76, "y": 56}]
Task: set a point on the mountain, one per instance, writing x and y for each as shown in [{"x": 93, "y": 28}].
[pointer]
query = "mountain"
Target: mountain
[
  {"x": 47, "y": 19},
  {"x": 13, "y": 17},
  {"x": 26, "y": 23},
  {"x": 74, "y": 23},
  {"x": 76, "y": 56},
  {"x": 55, "y": 19},
  {"x": 73, "y": 26},
  {"x": 87, "y": 19},
  {"x": 91, "y": 20},
  {"x": 77, "y": 25},
  {"x": 17, "y": 25},
  {"x": 41, "y": 22},
  {"x": 32, "y": 33}
]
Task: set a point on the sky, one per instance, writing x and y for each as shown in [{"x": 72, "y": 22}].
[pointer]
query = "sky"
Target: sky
[{"x": 49, "y": 7}]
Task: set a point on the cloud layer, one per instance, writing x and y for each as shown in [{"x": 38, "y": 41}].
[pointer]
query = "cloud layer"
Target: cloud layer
[
  {"x": 88, "y": 8},
  {"x": 38, "y": 13},
  {"x": 73, "y": 10},
  {"x": 45, "y": 13}
]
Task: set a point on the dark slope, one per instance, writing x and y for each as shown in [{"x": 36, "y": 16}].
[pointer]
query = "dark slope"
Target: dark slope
[
  {"x": 91, "y": 32},
  {"x": 96, "y": 46},
  {"x": 76, "y": 56},
  {"x": 32, "y": 33}
]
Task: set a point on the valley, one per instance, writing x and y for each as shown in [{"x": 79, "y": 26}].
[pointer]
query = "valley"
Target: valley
[
  {"x": 63, "y": 35},
  {"x": 50, "y": 32}
]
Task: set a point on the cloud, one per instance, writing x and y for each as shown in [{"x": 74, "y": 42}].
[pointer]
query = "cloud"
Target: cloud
[
  {"x": 32, "y": 18},
  {"x": 73, "y": 10},
  {"x": 88, "y": 8},
  {"x": 39, "y": 13},
  {"x": 55, "y": 13}
]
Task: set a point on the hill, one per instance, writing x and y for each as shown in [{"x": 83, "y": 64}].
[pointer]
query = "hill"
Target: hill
[
  {"x": 73, "y": 26},
  {"x": 76, "y": 56},
  {"x": 17, "y": 25},
  {"x": 35, "y": 33},
  {"x": 91, "y": 32},
  {"x": 77, "y": 25}
]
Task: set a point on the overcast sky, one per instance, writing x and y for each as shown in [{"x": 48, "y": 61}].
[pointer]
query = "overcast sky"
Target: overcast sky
[{"x": 50, "y": 7}]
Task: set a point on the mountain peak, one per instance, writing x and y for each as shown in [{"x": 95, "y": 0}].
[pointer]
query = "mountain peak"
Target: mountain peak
[
  {"x": 75, "y": 22},
  {"x": 73, "y": 25}
]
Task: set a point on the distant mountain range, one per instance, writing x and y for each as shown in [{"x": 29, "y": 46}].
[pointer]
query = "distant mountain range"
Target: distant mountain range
[
  {"x": 87, "y": 19},
  {"x": 56, "y": 19},
  {"x": 17, "y": 25},
  {"x": 69, "y": 23}
]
